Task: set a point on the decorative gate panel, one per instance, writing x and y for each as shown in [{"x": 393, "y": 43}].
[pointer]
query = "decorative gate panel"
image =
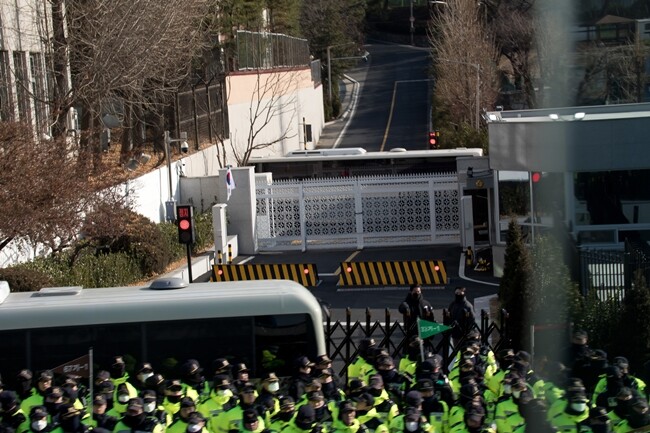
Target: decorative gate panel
[{"x": 359, "y": 211}]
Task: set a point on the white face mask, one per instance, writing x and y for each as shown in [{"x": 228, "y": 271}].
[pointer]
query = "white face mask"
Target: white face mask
[
  {"x": 579, "y": 407},
  {"x": 144, "y": 376},
  {"x": 507, "y": 389},
  {"x": 193, "y": 428},
  {"x": 516, "y": 394},
  {"x": 411, "y": 425},
  {"x": 149, "y": 407},
  {"x": 39, "y": 425},
  {"x": 123, "y": 398},
  {"x": 224, "y": 393},
  {"x": 274, "y": 387}
]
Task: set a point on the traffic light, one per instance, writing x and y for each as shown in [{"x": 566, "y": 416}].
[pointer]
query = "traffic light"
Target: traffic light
[
  {"x": 536, "y": 176},
  {"x": 434, "y": 140},
  {"x": 185, "y": 224}
]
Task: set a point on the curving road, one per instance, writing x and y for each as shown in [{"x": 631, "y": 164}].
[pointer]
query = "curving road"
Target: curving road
[{"x": 393, "y": 105}]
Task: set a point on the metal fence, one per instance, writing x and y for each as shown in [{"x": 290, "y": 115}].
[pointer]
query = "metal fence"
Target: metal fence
[
  {"x": 611, "y": 272},
  {"x": 343, "y": 337},
  {"x": 202, "y": 112},
  {"x": 257, "y": 50}
]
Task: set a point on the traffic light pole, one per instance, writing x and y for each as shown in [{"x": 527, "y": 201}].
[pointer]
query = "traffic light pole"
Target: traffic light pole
[{"x": 189, "y": 261}]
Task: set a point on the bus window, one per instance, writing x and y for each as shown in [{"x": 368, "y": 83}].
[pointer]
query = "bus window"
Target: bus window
[
  {"x": 200, "y": 339},
  {"x": 287, "y": 336},
  {"x": 52, "y": 347}
]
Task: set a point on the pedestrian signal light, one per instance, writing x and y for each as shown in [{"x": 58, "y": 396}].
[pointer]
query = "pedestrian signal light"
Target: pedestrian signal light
[
  {"x": 433, "y": 140},
  {"x": 185, "y": 224}
]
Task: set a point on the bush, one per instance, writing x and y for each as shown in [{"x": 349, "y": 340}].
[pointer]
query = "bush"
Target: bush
[
  {"x": 23, "y": 279},
  {"x": 142, "y": 240},
  {"x": 169, "y": 233},
  {"x": 105, "y": 270},
  {"x": 203, "y": 231},
  {"x": 141, "y": 250}
]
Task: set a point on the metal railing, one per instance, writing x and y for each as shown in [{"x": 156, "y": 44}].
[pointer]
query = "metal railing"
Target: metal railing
[
  {"x": 257, "y": 50},
  {"x": 611, "y": 272},
  {"x": 343, "y": 337}
]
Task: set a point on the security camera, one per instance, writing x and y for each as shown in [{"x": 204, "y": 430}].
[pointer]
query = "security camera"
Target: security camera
[{"x": 185, "y": 147}]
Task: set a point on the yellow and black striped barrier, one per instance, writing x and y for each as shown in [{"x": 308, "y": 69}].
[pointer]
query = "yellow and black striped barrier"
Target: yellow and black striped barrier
[
  {"x": 305, "y": 274},
  {"x": 400, "y": 273}
]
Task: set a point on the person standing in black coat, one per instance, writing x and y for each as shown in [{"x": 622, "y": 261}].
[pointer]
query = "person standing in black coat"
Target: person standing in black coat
[
  {"x": 461, "y": 315},
  {"x": 414, "y": 307}
]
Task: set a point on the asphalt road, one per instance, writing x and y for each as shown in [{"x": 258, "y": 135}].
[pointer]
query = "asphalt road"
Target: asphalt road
[
  {"x": 393, "y": 104},
  {"x": 378, "y": 299}
]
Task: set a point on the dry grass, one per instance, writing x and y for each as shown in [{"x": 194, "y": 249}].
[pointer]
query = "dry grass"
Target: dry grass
[{"x": 120, "y": 169}]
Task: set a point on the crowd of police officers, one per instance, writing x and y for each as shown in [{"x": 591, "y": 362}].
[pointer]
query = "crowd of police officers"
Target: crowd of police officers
[{"x": 483, "y": 392}]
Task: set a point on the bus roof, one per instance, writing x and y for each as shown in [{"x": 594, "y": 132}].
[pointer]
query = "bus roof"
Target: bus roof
[
  {"x": 397, "y": 154},
  {"x": 144, "y": 304}
]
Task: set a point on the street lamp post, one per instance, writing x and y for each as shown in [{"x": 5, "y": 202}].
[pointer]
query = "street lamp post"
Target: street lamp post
[
  {"x": 184, "y": 148},
  {"x": 412, "y": 22}
]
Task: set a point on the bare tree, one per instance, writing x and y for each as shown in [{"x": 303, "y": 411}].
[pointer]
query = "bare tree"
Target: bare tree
[
  {"x": 126, "y": 55},
  {"x": 613, "y": 74},
  {"x": 513, "y": 27},
  {"x": 461, "y": 72},
  {"x": 272, "y": 103},
  {"x": 47, "y": 193}
]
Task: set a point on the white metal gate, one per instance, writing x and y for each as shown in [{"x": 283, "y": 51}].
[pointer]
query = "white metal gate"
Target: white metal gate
[{"x": 357, "y": 212}]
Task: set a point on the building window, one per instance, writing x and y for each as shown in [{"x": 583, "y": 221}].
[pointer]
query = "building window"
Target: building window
[
  {"x": 22, "y": 87},
  {"x": 38, "y": 90},
  {"x": 6, "y": 105},
  {"x": 612, "y": 197}
]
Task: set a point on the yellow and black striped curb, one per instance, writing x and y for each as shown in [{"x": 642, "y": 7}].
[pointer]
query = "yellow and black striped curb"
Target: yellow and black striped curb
[
  {"x": 305, "y": 274},
  {"x": 400, "y": 273}
]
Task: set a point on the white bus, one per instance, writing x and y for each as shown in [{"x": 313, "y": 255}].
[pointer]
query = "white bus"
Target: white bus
[
  {"x": 166, "y": 322},
  {"x": 356, "y": 161}
]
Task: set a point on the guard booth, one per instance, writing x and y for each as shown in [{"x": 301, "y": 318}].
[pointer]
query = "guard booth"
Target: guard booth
[{"x": 476, "y": 183}]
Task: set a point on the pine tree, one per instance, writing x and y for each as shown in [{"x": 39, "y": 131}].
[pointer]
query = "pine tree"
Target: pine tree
[
  {"x": 553, "y": 297},
  {"x": 515, "y": 284}
]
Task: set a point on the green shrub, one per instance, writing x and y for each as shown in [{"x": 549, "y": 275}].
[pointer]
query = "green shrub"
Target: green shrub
[
  {"x": 140, "y": 250},
  {"x": 203, "y": 231},
  {"x": 142, "y": 240},
  {"x": 23, "y": 279},
  {"x": 105, "y": 270},
  {"x": 169, "y": 233}
]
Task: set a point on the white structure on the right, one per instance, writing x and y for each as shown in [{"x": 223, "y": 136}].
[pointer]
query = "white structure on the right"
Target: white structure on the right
[{"x": 587, "y": 168}]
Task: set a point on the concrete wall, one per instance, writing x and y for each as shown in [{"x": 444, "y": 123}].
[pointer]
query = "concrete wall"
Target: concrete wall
[{"x": 294, "y": 98}]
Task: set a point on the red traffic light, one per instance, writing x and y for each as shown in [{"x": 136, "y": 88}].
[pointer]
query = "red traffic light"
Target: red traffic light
[
  {"x": 433, "y": 139},
  {"x": 185, "y": 224},
  {"x": 536, "y": 176}
]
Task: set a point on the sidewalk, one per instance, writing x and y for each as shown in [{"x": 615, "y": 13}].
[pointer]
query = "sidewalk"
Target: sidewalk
[{"x": 333, "y": 131}]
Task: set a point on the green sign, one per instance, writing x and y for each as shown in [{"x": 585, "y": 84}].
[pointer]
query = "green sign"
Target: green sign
[{"x": 427, "y": 329}]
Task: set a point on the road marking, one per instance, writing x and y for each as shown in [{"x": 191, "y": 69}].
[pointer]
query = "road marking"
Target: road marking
[
  {"x": 350, "y": 110},
  {"x": 349, "y": 259},
  {"x": 390, "y": 117},
  {"x": 392, "y": 107},
  {"x": 382, "y": 289}
]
